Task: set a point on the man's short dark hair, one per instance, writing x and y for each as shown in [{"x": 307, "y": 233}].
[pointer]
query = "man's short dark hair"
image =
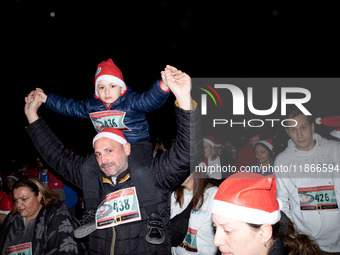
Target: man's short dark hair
[
  {"x": 251, "y": 132},
  {"x": 295, "y": 111}
]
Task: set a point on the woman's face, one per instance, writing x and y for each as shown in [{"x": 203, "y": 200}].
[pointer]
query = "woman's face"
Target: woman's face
[
  {"x": 236, "y": 237},
  {"x": 208, "y": 150},
  {"x": 261, "y": 154},
  {"x": 27, "y": 203},
  {"x": 10, "y": 183}
]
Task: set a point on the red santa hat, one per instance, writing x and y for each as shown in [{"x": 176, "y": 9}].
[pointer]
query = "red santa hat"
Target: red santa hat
[
  {"x": 6, "y": 203},
  {"x": 268, "y": 143},
  {"x": 333, "y": 121},
  {"x": 12, "y": 176},
  {"x": 210, "y": 140},
  {"x": 108, "y": 71},
  {"x": 248, "y": 197},
  {"x": 112, "y": 133}
]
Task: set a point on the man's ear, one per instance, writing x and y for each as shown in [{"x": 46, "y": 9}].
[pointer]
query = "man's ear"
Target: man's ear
[
  {"x": 266, "y": 233},
  {"x": 127, "y": 149}
]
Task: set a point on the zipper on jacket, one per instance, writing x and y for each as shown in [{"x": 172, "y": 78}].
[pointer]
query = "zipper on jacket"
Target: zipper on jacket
[{"x": 107, "y": 107}]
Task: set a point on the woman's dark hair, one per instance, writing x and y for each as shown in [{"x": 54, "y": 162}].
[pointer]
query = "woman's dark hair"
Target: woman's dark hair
[
  {"x": 296, "y": 243},
  {"x": 200, "y": 185},
  {"x": 35, "y": 185}
]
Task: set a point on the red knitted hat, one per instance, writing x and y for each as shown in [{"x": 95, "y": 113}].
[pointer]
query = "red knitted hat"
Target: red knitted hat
[
  {"x": 108, "y": 71},
  {"x": 112, "y": 133},
  {"x": 248, "y": 197}
]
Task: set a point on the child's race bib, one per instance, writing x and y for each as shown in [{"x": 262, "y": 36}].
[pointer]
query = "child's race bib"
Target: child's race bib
[
  {"x": 119, "y": 207},
  {"x": 111, "y": 119},
  {"x": 317, "y": 198}
]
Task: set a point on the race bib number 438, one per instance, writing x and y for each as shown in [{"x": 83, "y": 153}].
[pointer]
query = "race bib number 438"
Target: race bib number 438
[
  {"x": 119, "y": 207},
  {"x": 318, "y": 198}
]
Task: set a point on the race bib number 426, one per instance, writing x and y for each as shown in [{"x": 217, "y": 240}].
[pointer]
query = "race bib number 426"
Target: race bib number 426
[
  {"x": 119, "y": 207},
  {"x": 318, "y": 198}
]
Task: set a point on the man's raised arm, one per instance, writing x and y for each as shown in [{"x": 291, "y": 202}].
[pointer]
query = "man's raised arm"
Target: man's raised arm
[
  {"x": 173, "y": 166},
  {"x": 64, "y": 162}
]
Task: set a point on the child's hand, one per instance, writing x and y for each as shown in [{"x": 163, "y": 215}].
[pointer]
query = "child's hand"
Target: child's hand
[
  {"x": 176, "y": 80},
  {"x": 164, "y": 85},
  {"x": 175, "y": 74},
  {"x": 42, "y": 96},
  {"x": 180, "y": 85}
]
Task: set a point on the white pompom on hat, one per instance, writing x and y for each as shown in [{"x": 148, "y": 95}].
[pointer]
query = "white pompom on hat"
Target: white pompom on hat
[
  {"x": 333, "y": 121},
  {"x": 112, "y": 133},
  {"x": 108, "y": 71},
  {"x": 248, "y": 197}
]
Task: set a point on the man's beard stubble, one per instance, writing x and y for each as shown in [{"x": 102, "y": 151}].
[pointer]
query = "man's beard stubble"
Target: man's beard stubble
[{"x": 120, "y": 166}]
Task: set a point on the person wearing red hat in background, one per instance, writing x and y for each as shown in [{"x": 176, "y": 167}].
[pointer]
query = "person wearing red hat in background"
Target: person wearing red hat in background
[
  {"x": 246, "y": 155},
  {"x": 211, "y": 158},
  {"x": 115, "y": 105},
  {"x": 310, "y": 192},
  {"x": 10, "y": 180},
  {"x": 168, "y": 171},
  {"x": 264, "y": 156},
  {"x": 333, "y": 121},
  {"x": 248, "y": 219},
  {"x": 6, "y": 205}
]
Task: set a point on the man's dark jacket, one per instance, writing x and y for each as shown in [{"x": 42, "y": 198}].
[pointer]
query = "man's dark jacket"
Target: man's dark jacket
[{"x": 169, "y": 171}]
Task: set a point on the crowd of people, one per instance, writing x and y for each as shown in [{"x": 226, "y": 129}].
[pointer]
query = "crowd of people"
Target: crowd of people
[{"x": 131, "y": 198}]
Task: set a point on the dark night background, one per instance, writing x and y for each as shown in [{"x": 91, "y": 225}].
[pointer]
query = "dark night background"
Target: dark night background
[{"x": 56, "y": 45}]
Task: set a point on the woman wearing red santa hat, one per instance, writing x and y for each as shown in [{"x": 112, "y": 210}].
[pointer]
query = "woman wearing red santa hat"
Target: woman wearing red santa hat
[
  {"x": 248, "y": 219},
  {"x": 211, "y": 158}
]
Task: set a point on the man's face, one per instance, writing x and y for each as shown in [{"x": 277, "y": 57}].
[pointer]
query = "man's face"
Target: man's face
[
  {"x": 302, "y": 133},
  {"x": 111, "y": 156}
]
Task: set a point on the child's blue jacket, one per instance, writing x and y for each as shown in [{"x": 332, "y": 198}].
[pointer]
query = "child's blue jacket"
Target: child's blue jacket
[{"x": 134, "y": 104}]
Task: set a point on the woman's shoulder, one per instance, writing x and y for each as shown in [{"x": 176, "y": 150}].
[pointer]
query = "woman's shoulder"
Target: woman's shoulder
[
  {"x": 56, "y": 211},
  {"x": 211, "y": 191},
  {"x": 57, "y": 216}
]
